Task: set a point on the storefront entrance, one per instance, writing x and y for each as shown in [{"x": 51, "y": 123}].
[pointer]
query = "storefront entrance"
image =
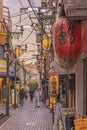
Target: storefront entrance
[
  {"x": 68, "y": 90},
  {"x": 85, "y": 85}
]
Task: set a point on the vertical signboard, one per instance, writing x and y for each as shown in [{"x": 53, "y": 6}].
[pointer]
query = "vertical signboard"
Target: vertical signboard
[{"x": 53, "y": 84}]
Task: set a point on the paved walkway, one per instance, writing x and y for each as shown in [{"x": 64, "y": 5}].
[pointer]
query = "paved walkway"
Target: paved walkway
[{"x": 29, "y": 118}]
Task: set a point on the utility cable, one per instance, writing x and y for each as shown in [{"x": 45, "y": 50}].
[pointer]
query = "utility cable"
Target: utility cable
[
  {"x": 32, "y": 26},
  {"x": 19, "y": 21},
  {"x": 27, "y": 37},
  {"x": 23, "y": 20},
  {"x": 38, "y": 19},
  {"x": 26, "y": 12},
  {"x": 16, "y": 14}
]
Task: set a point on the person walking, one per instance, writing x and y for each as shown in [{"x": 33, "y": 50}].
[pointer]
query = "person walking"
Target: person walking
[
  {"x": 31, "y": 93},
  {"x": 37, "y": 100},
  {"x": 22, "y": 97}
]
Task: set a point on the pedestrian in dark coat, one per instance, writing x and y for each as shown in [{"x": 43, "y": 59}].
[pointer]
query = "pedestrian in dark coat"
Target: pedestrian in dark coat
[
  {"x": 31, "y": 93},
  {"x": 22, "y": 94}
]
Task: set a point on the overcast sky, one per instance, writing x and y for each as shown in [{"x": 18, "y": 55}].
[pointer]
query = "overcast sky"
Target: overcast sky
[{"x": 14, "y": 5}]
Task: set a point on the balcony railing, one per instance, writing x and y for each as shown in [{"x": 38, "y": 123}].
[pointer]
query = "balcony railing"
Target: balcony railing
[{"x": 7, "y": 18}]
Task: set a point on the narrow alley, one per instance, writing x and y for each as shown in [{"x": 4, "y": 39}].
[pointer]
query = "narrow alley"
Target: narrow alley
[
  {"x": 43, "y": 55},
  {"x": 29, "y": 118}
]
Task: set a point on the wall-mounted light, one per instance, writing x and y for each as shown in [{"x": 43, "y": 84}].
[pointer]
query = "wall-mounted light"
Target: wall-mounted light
[
  {"x": 37, "y": 9},
  {"x": 22, "y": 27},
  {"x": 31, "y": 9}
]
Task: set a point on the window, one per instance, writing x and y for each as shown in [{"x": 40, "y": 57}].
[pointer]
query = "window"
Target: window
[{"x": 1, "y": 52}]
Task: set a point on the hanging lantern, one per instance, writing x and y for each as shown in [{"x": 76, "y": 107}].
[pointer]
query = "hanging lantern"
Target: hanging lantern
[
  {"x": 18, "y": 51},
  {"x": 38, "y": 27},
  {"x": 23, "y": 63},
  {"x": 67, "y": 41},
  {"x": 46, "y": 42}
]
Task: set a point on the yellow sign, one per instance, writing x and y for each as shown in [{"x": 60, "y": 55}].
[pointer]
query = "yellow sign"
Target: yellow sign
[
  {"x": 54, "y": 85},
  {"x": 46, "y": 42},
  {"x": 52, "y": 101},
  {"x": 23, "y": 63},
  {"x": 38, "y": 27},
  {"x": 3, "y": 66}
]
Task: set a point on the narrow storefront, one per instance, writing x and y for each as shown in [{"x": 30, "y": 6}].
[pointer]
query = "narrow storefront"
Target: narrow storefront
[{"x": 85, "y": 85}]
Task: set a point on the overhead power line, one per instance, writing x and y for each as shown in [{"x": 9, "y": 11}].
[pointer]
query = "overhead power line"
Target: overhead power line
[
  {"x": 27, "y": 37},
  {"x": 38, "y": 18},
  {"x": 26, "y": 13}
]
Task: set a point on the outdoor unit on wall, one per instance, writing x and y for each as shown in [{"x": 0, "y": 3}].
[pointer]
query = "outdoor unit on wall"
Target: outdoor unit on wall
[{"x": 75, "y": 9}]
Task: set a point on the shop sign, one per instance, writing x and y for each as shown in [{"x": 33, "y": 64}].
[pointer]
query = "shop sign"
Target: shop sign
[
  {"x": 3, "y": 38},
  {"x": 69, "y": 111},
  {"x": 3, "y": 66},
  {"x": 53, "y": 85}
]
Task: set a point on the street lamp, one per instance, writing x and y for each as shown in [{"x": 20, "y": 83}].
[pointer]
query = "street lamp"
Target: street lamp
[
  {"x": 43, "y": 10},
  {"x": 15, "y": 86},
  {"x": 7, "y": 51},
  {"x": 18, "y": 53},
  {"x": 22, "y": 27},
  {"x": 7, "y": 78},
  {"x": 7, "y": 85}
]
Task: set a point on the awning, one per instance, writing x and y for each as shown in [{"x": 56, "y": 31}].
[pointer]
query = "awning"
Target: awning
[{"x": 11, "y": 76}]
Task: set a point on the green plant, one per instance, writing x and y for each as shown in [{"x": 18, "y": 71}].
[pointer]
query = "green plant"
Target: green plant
[{"x": 33, "y": 84}]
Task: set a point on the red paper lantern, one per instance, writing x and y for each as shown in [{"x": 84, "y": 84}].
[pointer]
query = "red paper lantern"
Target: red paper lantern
[{"x": 67, "y": 41}]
